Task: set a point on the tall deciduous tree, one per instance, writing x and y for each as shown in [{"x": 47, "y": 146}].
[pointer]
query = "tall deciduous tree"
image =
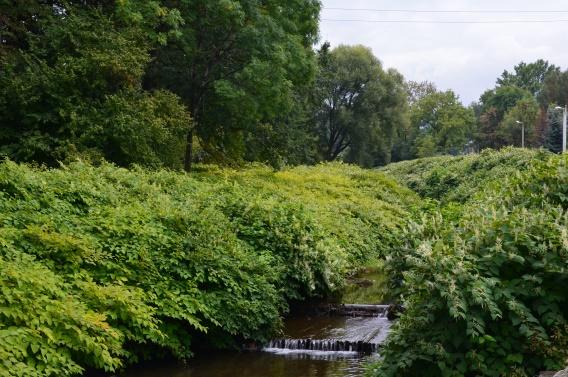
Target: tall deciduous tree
[
  {"x": 524, "y": 113},
  {"x": 405, "y": 137},
  {"x": 71, "y": 83},
  {"x": 442, "y": 124},
  {"x": 235, "y": 64},
  {"x": 418, "y": 90},
  {"x": 529, "y": 76},
  {"x": 555, "y": 88},
  {"x": 358, "y": 107},
  {"x": 494, "y": 105}
]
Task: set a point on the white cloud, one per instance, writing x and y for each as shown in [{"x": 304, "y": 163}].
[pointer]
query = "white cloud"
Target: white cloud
[{"x": 467, "y": 58}]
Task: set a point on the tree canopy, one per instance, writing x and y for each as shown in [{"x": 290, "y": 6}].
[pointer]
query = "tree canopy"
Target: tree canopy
[
  {"x": 358, "y": 106},
  {"x": 526, "y": 93},
  {"x": 165, "y": 83},
  {"x": 95, "y": 78},
  {"x": 441, "y": 123},
  {"x": 71, "y": 86},
  {"x": 495, "y": 104},
  {"x": 529, "y": 76},
  {"x": 236, "y": 65}
]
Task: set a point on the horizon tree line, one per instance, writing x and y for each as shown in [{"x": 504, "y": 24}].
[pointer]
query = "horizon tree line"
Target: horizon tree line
[{"x": 169, "y": 83}]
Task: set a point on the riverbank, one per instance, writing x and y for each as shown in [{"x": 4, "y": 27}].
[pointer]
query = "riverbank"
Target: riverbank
[
  {"x": 318, "y": 345},
  {"x": 103, "y": 267},
  {"x": 483, "y": 271}
]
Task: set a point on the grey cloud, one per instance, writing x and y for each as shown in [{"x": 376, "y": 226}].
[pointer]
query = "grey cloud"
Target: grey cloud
[{"x": 464, "y": 57}]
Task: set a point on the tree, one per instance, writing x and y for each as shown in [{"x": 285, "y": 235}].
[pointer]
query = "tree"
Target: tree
[
  {"x": 553, "y": 137},
  {"x": 555, "y": 88},
  {"x": 441, "y": 123},
  {"x": 528, "y": 76},
  {"x": 494, "y": 105},
  {"x": 71, "y": 84},
  {"x": 531, "y": 77},
  {"x": 286, "y": 140},
  {"x": 403, "y": 147},
  {"x": 418, "y": 90},
  {"x": 20, "y": 21},
  {"x": 24, "y": 21},
  {"x": 502, "y": 99},
  {"x": 510, "y": 131},
  {"x": 235, "y": 65},
  {"x": 358, "y": 106}
]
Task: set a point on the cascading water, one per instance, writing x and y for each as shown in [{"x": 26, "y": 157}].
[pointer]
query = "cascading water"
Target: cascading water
[
  {"x": 326, "y": 345},
  {"x": 337, "y": 344},
  {"x": 335, "y": 335}
]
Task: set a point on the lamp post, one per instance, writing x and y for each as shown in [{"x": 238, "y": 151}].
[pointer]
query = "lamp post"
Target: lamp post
[
  {"x": 564, "y": 122},
  {"x": 523, "y": 133}
]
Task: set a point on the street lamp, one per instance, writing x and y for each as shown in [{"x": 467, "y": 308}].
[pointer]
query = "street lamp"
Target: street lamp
[
  {"x": 564, "y": 122},
  {"x": 523, "y": 137}
]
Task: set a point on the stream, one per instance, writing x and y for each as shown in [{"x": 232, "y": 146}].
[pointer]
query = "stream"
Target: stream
[
  {"x": 259, "y": 365},
  {"x": 311, "y": 346}
]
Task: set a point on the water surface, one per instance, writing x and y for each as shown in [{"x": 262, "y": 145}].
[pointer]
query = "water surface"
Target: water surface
[
  {"x": 281, "y": 362},
  {"x": 278, "y": 362},
  {"x": 260, "y": 364},
  {"x": 366, "y": 329}
]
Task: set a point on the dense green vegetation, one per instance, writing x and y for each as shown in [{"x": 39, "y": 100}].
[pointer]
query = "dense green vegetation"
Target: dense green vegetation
[
  {"x": 439, "y": 124},
  {"x": 457, "y": 179},
  {"x": 361, "y": 106},
  {"x": 109, "y": 254},
  {"x": 120, "y": 80},
  {"x": 71, "y": 85},
  {"x": 483, "y": 276},
  {"x": 102, "y": 266}
]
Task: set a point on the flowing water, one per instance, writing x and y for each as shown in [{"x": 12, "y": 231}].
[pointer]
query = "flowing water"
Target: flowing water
[
  {"x": 332, "y": 334},
  {"x": 311, "y": 346},
  {"x": 260, "y": 364}
]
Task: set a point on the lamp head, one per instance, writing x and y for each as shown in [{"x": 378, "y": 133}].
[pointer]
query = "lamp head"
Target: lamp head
[
  {"x": 558, "y": 108},
  {"x": 518, "y": 122}
]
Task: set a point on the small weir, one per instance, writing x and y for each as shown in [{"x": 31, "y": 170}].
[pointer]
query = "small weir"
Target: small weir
[
  {"x": 356, "y": 329},
  {"x": 326, "y": 345},
  {"x": 322, "y": 341},
  {"x": 359, "y": 310}
]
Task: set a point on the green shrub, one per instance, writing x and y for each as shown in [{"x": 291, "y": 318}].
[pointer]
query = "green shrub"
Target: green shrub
[
  {"x": 75, "y": 87},
  {"x": 486, "y": 294},
  {"x": 362, "y": 210},
  {"x": 457, "y": 179},
  {"x": 102, "y": 266}
]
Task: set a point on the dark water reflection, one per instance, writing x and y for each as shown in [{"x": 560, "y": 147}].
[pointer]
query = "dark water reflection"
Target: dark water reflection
[
  {"x": 260, "y": 364},
  {"x": 292, "y": 363},
  {"x": 285, "y": 362}
]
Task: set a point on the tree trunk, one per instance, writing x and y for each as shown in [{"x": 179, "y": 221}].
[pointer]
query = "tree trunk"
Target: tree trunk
[
  {"x": 188, "y": 151},
  {"x": 188, "y": 159}
]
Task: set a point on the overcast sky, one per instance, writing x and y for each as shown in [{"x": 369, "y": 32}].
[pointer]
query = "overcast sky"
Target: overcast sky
[{"x": 464, "y": 57}]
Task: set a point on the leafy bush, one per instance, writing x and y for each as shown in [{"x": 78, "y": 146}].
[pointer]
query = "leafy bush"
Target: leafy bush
[
  {"x": 101, "y": 266},
  {"x": 362, "y": 209},
  {"x": 457, "y": 179},
  {"x": 75, "y": 88},
  {"x": 486, "y": 295}
]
